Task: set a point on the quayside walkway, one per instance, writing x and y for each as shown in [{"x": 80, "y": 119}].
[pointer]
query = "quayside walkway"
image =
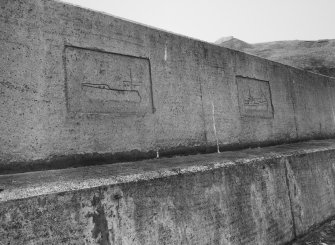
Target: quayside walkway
[{"x": 269, "y": 195}]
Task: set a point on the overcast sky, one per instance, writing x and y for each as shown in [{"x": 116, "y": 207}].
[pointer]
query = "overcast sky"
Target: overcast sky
[{"x": 250, "y": 20}]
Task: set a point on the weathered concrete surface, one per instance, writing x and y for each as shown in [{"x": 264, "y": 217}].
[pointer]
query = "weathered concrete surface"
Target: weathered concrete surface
[
  {"x": 241, "y": 197},
  {"x": 77, "y": 84},
  {"x": 323, "y": 235},
  {"x": 312, "y": 188}
]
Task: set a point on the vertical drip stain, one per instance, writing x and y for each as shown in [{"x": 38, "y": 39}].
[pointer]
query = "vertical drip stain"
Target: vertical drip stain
[
  {"x": 165, "y": 52},
  {"x": 214, "y": 127},
  {"x": 100, "y": 231}
]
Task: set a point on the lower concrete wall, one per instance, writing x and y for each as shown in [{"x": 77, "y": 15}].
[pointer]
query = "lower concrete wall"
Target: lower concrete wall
[
  {"x": 312, "y": 188},
  {"x": 260, "y": 196}
]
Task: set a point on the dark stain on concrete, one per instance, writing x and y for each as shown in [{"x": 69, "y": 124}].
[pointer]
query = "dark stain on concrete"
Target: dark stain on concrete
[
  {"x": 91, "y": 159},
  {"x": 287, "y": 182},
  {"x": 117, "y": 196},
  {"x": 42, "y": 201},
  {"x": 100, "y": 222}
]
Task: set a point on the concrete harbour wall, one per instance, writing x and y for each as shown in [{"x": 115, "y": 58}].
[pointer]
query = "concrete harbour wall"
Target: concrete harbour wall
[
  {"x": 77, "y": 84},
  {"x": 79, "y": 87},
  {"x": 264, "y": 196}
]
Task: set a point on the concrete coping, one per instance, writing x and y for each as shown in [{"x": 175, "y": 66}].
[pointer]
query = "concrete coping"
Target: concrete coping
[{"x": 25, "y": 185}]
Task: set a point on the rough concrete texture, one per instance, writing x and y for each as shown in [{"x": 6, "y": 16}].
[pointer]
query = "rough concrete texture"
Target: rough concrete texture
[
  {"x": 323, "y": 235},
  {"x": 254, "y": 196},
  {"x": 76, "y": 82},
  {"x": 312, "y": 188}
]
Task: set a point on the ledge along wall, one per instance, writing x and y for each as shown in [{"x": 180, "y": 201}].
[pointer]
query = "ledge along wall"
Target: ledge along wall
[
  {"x": 77, "y": 84},
  {"x": 269, "y": 195}
]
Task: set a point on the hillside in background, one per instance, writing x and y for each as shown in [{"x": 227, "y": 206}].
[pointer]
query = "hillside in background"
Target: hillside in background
[{"x": 315, "y": 56}]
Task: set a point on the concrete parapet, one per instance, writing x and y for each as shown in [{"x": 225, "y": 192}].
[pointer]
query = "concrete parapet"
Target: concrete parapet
[
  {"x": 79, "y": 87},
  {"x": 267, "y": 195}
]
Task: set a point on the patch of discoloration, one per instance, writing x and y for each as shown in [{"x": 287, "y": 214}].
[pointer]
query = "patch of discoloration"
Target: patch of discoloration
[
  {"x": 294, "y": 195},
  {"x": 258, "y": 213},
  {"x": 100, "y": 231}
]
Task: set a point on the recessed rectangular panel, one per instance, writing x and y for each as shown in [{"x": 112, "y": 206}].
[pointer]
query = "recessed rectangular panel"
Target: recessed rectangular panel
[
  {"x": 254, "y": 97},
  {"x": 102, "y": 82}
]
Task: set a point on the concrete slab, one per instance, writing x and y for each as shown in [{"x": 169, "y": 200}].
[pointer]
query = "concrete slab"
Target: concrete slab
[{"x": 81, "y": 87}]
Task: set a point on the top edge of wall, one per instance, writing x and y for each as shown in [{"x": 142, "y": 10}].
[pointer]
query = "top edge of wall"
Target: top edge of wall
[{"x": 183, "y": 36}]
